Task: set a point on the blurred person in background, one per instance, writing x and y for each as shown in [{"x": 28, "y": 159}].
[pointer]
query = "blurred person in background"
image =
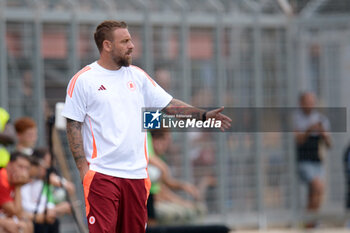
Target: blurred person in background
[
  {"x": 311, "y": 129},
  {"x": 201, "y": 143},
  {"x": 7, "y": 136},
  {"x": 202, "y": 149},
  {"x": 27, "y": 135},
  {"x": 103, "y": 108},
  {"x": 12, "y": 178},
  {"x": 163, "y": 78},
  {"x": 39, "y": 201},
  {"x": 169, "y": 207}
]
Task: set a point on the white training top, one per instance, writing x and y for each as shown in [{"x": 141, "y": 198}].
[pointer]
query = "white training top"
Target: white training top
[{"x": 109, "y": 103}]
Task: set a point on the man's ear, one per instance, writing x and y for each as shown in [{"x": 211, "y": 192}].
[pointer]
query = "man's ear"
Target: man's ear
[{"x": 107, "y": 45}]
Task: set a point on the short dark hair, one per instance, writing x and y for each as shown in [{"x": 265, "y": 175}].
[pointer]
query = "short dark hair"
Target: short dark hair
[
  {"x": 38, "y": 155},
  {"x": 34, "y": 161},
  {"x": 104, "y": 31},
  {"x": 40, "y": 152},
  {"x": 16, "y": 155}
]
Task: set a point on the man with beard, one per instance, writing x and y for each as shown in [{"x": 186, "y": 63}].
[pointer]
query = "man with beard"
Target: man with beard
[{"x": 103, "y": 109}]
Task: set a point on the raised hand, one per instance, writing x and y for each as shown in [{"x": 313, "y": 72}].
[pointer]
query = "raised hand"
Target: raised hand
[{"x": 217, "y": 115}]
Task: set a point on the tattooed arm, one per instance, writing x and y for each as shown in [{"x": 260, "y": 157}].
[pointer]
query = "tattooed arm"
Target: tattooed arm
[
  {"x": 181, "y": 108},
  {"x": 75, "y": 141},
  {"x": 178, "y": 107}
]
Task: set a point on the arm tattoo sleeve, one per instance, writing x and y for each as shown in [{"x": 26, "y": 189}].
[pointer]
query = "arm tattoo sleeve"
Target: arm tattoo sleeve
[
  {"x": 178, "y": 107},
  {"x": 75, "y": 141}
]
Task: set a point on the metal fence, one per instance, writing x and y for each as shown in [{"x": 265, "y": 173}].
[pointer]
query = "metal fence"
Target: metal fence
[{"x": 208, "y": 53}]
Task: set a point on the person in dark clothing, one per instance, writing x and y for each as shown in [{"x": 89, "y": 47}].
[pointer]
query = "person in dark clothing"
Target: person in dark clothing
[{"x": 311, "y": 129}]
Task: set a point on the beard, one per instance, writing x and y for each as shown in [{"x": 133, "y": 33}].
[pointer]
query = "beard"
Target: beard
[{"x": 122, "y": 61}]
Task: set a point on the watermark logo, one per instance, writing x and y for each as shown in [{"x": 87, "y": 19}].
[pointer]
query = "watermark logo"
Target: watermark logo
[
  {"x": 244, "y": 120},
  {"x": 152, "y": 119},
  {"x": 155, "y": 119},
  {"x": 173, "y": 122}
]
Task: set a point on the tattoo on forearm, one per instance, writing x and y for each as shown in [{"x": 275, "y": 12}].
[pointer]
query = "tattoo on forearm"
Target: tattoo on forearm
[
  {"x": 75, "y": 140},
  {"x": 77, "y": 158},
  {"x": 179, "y": 108}
]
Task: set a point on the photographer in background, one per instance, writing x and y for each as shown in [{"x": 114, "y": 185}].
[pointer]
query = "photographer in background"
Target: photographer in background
[{"x": 39, "y": 201}]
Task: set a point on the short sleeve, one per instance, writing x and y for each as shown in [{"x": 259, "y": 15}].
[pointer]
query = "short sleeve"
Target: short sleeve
[
  {"x": 5, "y": 194},
  {"x": 5, "y": 197},
  {"x": 155, "y": 96},
  {"x": 75, "y": 104}
]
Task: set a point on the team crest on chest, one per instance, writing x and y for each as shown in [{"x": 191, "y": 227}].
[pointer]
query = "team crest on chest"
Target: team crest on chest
[{"x": 131, "y": 86}]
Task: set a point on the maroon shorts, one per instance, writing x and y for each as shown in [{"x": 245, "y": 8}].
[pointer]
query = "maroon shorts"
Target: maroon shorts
[{"x": 115, "y": 204}]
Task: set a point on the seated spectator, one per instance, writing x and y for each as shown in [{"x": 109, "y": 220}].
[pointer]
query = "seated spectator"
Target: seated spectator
[
  {"x": 168, "y": 206},
  {"x": 27, "y": 135},
  {"x": 12, "y": 177},
  {"x": 38, "y": 199}
]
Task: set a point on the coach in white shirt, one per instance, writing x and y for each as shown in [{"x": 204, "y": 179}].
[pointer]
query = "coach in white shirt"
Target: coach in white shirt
[{"x": 103, "y": 108}]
